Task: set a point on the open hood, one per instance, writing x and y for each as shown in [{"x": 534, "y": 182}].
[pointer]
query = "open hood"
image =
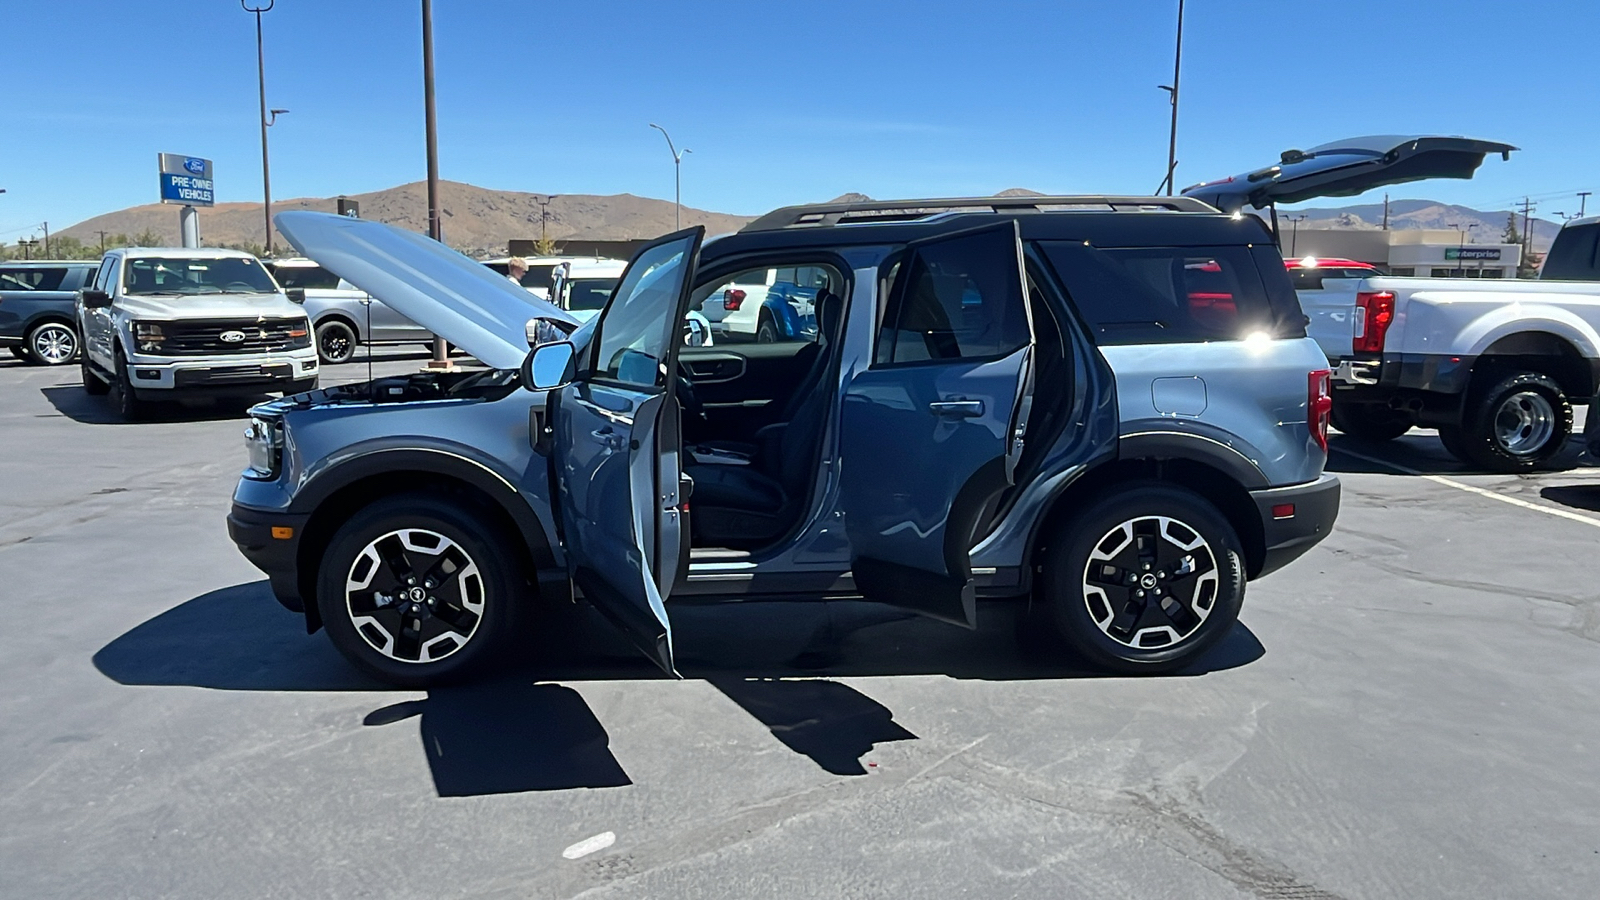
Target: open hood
[
  {"x": 454, "y": 297},
  {"x": 1349, "y": 167}
]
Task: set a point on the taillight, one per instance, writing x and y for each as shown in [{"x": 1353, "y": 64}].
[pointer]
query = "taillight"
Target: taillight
[
  {"x": 1374, "y": 315},
  {"x": 1319, "y": 406},
  {"x": 731, "y": 298}
]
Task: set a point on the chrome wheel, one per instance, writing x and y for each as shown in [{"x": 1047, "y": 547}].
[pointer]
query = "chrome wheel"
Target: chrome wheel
[
  {"x": 1150, "y": 582},
  {"x": 414, "y": 595},
  {"x": 53, "y": 344},
  {"x": 1524, "y": 423}
]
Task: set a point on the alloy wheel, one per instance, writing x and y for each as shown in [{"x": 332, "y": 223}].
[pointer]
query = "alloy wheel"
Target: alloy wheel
[
  {"x": 415, "y": 595},
  {"x": 1524, "y": 423},
  {"x": 1150, "y": 582},
  {"x": 53, "y": 344},
  {"x": 336, "y": 344}
]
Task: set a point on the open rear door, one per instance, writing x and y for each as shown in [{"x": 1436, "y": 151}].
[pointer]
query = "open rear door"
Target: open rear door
[
  {"x": 616, "y": 444},
  {"x": 931, "y": 431}
]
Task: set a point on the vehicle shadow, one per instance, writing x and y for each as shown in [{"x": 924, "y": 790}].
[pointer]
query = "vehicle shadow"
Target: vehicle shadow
[
  {"x": 1577, "y": 496},
  {"x": 525, "y": 731},
  {"x": 1420, "y": 451},
  {"x": 72, "y": 402}
]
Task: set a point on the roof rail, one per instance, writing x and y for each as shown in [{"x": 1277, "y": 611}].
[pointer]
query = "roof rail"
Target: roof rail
[{"x": 909, "y": 210}]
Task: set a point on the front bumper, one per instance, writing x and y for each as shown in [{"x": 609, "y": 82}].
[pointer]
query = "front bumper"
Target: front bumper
[
  {"x": 271, "y": 541},
  {"x": 222, "y": 374},
  {"x": 1294, "y": 519}
]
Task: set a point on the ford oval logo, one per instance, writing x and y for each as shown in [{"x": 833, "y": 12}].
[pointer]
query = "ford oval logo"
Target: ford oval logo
[
  {"x": 231, "y": 337},
  {"x": 197, "y": 166}
]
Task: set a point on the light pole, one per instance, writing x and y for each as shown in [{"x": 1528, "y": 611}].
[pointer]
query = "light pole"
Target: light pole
[
  {"x": 544, "y": 212},
  {"x": 677, "y": 177},
  {"x": 441, "y": 350},
  {"x": 46, "y": 227},
  {"x": 1583, "y": 202},
  {"x": 27, "y": 247},
  {"x": 1172, "y": 91},
  {"x": 261, "y": 84},
  {"x": 1294, "y": 233}
]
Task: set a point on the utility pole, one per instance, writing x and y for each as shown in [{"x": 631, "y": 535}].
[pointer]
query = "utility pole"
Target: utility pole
[
  {"x": 261, "y": 84},
  {"x": 1583, "y": 202},
  {"x": 1385, "y": 212},
  {"x": 46, "y": 227},
  {"x": 102, "y": 242},
  {"x": 441, "y": 350},
  {"x": 1527, "y": 245},
  {"x": 1294, "y": 233},
  {"x": 677, "y": 177},
  {"x": 1172, "y": 90}
]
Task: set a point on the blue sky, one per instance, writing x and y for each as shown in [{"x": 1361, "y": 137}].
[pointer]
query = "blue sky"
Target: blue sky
[{"x": 780, "y": 102}]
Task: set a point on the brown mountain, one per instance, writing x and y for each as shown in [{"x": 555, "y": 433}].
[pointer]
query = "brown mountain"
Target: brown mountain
[{"x": 478, "y": 220}]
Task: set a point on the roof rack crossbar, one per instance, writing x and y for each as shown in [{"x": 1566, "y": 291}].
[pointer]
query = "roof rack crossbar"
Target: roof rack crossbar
[{"x": 906, "y": 210}]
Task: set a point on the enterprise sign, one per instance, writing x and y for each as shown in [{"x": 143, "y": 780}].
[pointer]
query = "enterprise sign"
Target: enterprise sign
[
  {"x": 186, "y": 180},
  {"x": 1472, "y": 253}
]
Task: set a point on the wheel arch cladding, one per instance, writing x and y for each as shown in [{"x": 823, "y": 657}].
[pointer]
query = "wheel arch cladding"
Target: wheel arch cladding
[
  {"x": 1542, "y": 352},
  {"x": 337, "y": 504},
  {"x": 1211, "y": 483}
]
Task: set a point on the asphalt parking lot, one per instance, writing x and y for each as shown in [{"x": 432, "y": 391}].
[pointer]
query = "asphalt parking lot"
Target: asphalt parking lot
[{"x": 1412, "y": 710}]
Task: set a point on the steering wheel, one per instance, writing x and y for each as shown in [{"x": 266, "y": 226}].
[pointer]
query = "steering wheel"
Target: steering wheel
[
  {"x": 687, "y": 400},
  {"x": 244, "y": 285}
]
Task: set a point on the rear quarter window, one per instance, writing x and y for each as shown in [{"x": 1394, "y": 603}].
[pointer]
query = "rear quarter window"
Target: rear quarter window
[
  {"x": 309, "y": 277},
  {"x": 1170, "y": 295}
]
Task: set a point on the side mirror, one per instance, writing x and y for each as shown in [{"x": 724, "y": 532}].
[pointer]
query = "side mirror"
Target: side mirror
[
  {"x": 296, "y": 295},
  {"x": 93, "y": 299},
  {"x": 549, "y": 366}
]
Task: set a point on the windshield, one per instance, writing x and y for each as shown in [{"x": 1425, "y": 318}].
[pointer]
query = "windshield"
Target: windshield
[
  {"x": 171, "y": 275},
  {"x": 589, "y": 293}
]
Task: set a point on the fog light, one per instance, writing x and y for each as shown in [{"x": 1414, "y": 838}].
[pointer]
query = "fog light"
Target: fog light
[
  {"x": 1283, "y": 511},
  {"x": 147, "y": 374},
  {"x": 307, "y": 365},
  {"x": 282, "y": 532}
]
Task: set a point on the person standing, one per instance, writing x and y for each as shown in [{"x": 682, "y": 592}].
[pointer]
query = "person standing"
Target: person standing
[{"x": 516, "y": 267}]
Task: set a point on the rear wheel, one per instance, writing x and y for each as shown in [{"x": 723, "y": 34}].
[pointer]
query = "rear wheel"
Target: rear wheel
[
  {"x": 20, "y": 352},
  {"x": 52, "y": 344},
  {"x": 766, "y": 333},
  {"x": 1144, "y": 580},
  {"x": 336, "y": 342},
  {"x": 1370, "y": 421},
  {"x": 93, "y": 384},
  {"x": 417, "y": 590},
  {"x": 1517, "y": 425}
]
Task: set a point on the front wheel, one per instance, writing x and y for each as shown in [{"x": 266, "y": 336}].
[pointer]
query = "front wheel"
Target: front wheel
[
  {"x": 93, "y": 385},
  {"x": 52, "y": 344},
  {"x": 1517, "y": 425},
  {"x": 123, "y": 396},
  {"x": 418, "y": 590},
  {"x": 1370, "y": 421},
  {"x": 1144, "y": 580}
]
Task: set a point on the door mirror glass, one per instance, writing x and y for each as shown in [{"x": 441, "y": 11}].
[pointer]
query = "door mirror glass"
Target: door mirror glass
[
  {"x": 548, "y": 366},
  {"x": 296, "y": 295},
  {"x": 93, "y": 299}
]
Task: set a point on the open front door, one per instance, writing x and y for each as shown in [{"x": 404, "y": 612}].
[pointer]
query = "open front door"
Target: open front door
[
  {"x": 930, "y": 433},
  {"x": 616, "y": 445}
]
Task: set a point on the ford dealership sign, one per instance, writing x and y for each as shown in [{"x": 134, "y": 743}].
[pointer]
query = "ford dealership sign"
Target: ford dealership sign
[{"x": 186, "y": 180}]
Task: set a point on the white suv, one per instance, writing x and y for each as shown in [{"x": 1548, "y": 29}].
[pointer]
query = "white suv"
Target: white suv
[{"x": 168, "y": 323}]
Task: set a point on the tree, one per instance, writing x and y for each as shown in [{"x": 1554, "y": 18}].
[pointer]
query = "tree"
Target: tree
[
  {"x": 545, "y": 246},
  {"x": 1511, "y": 234}
]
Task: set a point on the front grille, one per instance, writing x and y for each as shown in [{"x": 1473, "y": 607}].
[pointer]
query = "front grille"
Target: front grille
[
  {"x": 226, "y": 375},
  {"x": 204, "y": 337}
]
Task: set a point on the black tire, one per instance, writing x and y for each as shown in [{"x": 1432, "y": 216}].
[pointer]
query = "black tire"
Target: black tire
[
  {"x": 1518, "y": 424},
  {"x": 93, "y": 384},
  {"x": 123, "y": 396},
  {"x": 1127, "y": 525},
  {"x": 20, "y": 352},
  {"x": 479, "y": 640},
  {"x": 336, "y": 342},
  {"x": 766, "y": 332},
  {"x": 52, "y": 344},
  {"x": 1370, "y": 421}
]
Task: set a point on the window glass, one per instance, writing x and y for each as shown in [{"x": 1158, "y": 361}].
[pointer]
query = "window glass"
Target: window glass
[
  {"x": 537, "y": 276},
  {"x": 1405, "y": 271},
  {"x": 767, "y": 305},
  {"x": 33, "y": 279},
  {"x": 589, "y": 293},
  {"x": 637, "y": 332},
  {"x": 1177, "y": 294},
  {"x": 175, "y": 275},
  {"x": 102, "y": 278},
  {"x": 957, "y": 298},
  {"x": 1573, "y": 256},
  {"x": 310, "y": 277},
  {"x": 1308, "y": 279}
]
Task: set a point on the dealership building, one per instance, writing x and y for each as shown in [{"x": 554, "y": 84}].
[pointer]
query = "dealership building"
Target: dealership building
[{"x": 1436, "y": 253}]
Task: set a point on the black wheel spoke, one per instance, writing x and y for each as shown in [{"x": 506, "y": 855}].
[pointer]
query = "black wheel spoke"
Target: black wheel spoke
[
  {"x": 444, "y": 568},
  {"x": 413, "y": 605},
  {"x": 393, "y": 553},
  {"x": 1142, "y": 591}
]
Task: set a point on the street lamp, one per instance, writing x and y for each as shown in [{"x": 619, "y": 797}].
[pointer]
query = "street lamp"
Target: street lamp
[
  {"x": 1583, "y": 202},
  {"x": 544, "y": 212},
  {"x": 1172, "y": 91},
  {"x": 677, "y": 177},
  {"x": 261, "y": 84},
  {"x": 1294, "y": 233},
  {"x": 27, "y": 247}
]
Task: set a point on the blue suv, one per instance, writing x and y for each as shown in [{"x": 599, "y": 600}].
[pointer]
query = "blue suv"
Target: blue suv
[{"x": 1104, "y": 406}]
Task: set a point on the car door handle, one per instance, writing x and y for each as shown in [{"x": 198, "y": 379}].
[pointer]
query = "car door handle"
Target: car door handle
[
  {"x": 609, "y": 439},
  {"x": 956, "y": 409}
]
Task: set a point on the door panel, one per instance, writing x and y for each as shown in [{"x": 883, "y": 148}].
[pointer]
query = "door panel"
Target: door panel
[
  {"x": 931, "y": 432},
  {"x": 744, "y": 386},
  {"x": 617, "y": 449}
]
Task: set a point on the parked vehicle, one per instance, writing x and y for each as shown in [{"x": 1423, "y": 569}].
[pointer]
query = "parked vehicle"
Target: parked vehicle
[
  {"x": 174, "y": 323},
  {"x": 343, "y": 317},
  {"x": 36, "y": 309},
  {"x": 582, "y": 288},
  {"x": 771, "y": 305},
  {"x": 1007, "y": 397},
  {"x": 540, "y": 270},
  {"x": 1309, "y": 272}
]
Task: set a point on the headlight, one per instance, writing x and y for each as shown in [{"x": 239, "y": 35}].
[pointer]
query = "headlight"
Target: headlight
[
  {"x": 263, "y": 441},
  {"x": 300, "y": 335},
  {"x": 148, "y": 337}
]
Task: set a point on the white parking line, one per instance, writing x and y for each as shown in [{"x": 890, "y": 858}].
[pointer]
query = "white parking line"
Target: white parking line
[
  {"x": 1472, "y": 489},
  {"x": 590, "y": 845}
]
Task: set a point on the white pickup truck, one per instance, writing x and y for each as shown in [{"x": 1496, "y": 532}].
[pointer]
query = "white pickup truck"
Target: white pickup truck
[{"x": 1496, "y": 366}]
